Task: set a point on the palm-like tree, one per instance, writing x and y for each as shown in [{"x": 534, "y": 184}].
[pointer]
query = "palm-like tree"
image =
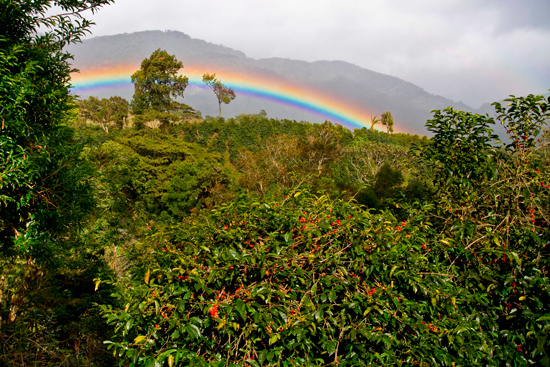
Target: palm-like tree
[{"x": 373, "y": 121}]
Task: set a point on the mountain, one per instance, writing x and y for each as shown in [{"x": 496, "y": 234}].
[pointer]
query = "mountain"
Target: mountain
[{"x": 341, "y": 88}]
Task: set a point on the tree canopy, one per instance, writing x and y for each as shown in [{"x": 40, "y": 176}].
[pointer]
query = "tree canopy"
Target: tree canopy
[
  {"x": 40, "y": 189},
  {"x": 44, "y": 188},
  {"x": 387, "y": 120},
  {"x": 223, "y": 93},
  {"x": 112, "y": 111},
  {"x": 156, "y": 86}
]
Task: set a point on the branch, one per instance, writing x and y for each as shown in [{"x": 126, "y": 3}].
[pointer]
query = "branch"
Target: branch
[{"x": 91, "y": 7}]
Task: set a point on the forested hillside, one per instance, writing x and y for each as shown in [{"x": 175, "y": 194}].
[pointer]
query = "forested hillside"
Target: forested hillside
[{"x": 137, "y": 233}]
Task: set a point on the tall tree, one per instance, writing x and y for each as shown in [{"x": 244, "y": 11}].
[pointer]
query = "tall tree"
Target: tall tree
[
  {"x": 223, "y": 93},
  {"x": 156, "y": 86},
  {"x": 387, "y": 120},
  {"x": 43, "y": 181},
  {"x": 34, "y": 105}
]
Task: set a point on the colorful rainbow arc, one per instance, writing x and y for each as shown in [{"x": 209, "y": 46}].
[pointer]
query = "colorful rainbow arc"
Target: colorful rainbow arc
[{"x": 256, "y": 86}]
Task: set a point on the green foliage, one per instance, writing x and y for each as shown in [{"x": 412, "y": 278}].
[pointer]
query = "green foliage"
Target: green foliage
[
  {"x": 361, "y": 164},
  {"x": 223, "y": 94},
  {"x": 243, "y": 132},
  {"x": 405, "y": 140},
  {"x": 156, "y": 85},
  {"x": 297, "y": 280},
  {"x": 273, "y": 155},
  {"x": 373, "y": 121},
  {"x": 45, "y": 305},
  {"x": 484, "y": 186},
  {"x": 105, "y": 111},
  {"x": 54, "y": 319},
  {"x": 306, "y": 280},
  {"x": 150, "y": 173},
  {"x": 524, "y": 118},
  {"x": 285, "y": 161},
  {"x": 386, "y": 180},
  {"x": 41, "y": 187},
  {"x": 198, "y": 182},
  {"x": 460, "y": 154},
  {"x": 309, "y": 281},
  {"x": 451, "y": 268},
  {"x": 387, "y": 120}
]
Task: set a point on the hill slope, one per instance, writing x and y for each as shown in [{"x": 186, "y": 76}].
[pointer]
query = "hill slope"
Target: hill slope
[{"x": 363, "y": 90}]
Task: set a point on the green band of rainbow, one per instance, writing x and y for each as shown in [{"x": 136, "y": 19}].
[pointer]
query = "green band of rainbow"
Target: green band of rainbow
[{"x": 257, "y": 86}]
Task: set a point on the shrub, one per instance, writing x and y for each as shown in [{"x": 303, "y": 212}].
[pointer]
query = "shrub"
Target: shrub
[{"x": 307, "y": 281}]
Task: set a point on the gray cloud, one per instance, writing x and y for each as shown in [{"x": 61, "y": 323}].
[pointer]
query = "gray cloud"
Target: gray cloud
[
  {"x": 469, "y": 50},
  {"x": 511, "y": 14}
]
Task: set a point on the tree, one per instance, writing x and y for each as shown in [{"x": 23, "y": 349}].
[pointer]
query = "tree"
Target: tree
[
  {"x": 387, "y": 120},
  {"x": 373, "y": 121},
  {"x": 223, "y": 94},
  {"x": 386, "y": 180},
  {"x": 104, "y": 111},
  {"x": 156, "y": 86},
  {"x": 37, "y": 166},
  {"x": 43, "y": 181}
]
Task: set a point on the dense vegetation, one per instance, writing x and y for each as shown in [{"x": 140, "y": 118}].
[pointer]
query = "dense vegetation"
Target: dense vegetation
[
  {"x": 433, "y": 256},
  {"x": 164, "y": 239}
]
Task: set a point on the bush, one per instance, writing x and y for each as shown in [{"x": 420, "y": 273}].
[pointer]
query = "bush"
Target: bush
[{"x": 306, "y": 281}]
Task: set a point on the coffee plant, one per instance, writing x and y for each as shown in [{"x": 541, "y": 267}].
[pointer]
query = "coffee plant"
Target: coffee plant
[{"x": 305, "y": 280}]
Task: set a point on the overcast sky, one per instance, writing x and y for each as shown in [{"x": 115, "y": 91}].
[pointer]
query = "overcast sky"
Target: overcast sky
[{"x": 473, "y": 51}]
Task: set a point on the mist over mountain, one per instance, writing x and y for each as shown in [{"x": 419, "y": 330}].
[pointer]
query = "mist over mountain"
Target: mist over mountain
[{"x": 366, "y": 90}]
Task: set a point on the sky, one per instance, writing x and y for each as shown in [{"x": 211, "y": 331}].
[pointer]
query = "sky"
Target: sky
[{"x": 474, "y": 51}]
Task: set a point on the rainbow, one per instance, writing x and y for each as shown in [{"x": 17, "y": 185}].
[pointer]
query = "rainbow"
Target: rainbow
[{"x": 243, "y": 83}]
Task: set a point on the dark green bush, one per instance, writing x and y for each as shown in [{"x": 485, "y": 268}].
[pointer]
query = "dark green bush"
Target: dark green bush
[{"x": 305, "y": 280}]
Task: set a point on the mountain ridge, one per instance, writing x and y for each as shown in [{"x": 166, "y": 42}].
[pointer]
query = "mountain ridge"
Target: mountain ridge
[{"x": 367, "y": 90}]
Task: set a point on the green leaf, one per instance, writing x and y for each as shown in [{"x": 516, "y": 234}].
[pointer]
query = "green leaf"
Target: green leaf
[
  {"x": 233, "y": 254},
  {"x": 241, "y": 308},
  {"x": 262, "y": 355},
  {"x": 300, "y": 333},
  {"x": 288, "y": 236},
  {"x": 129, "y": 324},
  {"x": 152, "y": 363},
  {"x": 193, "y": 331},
  {"x": 253, "y": 363},
  {"x": 181, "y": 306},
  {"x": 332, "y": 296},
  {"x": 273, "y": 339},
  {"x": 516, "y": 257},
  {"x": 331, "y": 347},
  {"x": 168, "y": 353}
]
